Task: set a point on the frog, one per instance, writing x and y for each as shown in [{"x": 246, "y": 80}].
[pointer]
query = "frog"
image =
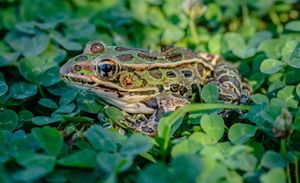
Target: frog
[{"x": 150, "y": 83}]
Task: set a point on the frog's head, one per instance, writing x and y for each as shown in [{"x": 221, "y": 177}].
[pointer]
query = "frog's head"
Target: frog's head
[{"x": 110, "y": 72}]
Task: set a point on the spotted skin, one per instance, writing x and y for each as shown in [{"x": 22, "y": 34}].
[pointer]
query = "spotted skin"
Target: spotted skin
[{"x": 150, "y": 83}]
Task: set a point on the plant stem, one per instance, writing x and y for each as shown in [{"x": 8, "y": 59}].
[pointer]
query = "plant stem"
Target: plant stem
[
  {"x": 245, "y": 12},
  {"x": 297, "y": 170}
]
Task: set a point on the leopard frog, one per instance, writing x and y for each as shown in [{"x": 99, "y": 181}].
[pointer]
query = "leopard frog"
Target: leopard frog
[{"x": 144, "y": 82}]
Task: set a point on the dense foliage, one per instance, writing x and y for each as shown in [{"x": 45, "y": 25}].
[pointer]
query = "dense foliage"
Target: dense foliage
[{"x": 53, "y": 133}]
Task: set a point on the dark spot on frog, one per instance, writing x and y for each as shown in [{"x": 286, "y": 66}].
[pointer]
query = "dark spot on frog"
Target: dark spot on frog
[
  {"x": 174, "y": 87},
  {"x": 182, "y": 90},
  {"x": 147, "y": 130},
  {"x": 233, "y": 80},
  {"x": 155, "y": 73},
  {"x": 194, "y": 88},
  {"x": 171, "y": 74},
  {"x": 167, "y": 48},
  {"x": 152, "y": 103},
  {"x": 97, "y": 48},
  {"x": 77, "y": 67},
  {"x": 158, "y": 114},
  {"x": 120, "y": 95},
  {"x": 160, "y": 88},
  {"x": 81, "y": 58},
  {"x": 122, "y": 49},
  {"x": 125, "y": 57},
  {"x": 147, "y": 56},
  {"x": 174, "y": 56},
  {"x": 187, "y": 73}
]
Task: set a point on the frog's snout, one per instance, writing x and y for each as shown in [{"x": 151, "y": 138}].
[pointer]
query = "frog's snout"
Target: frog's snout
[{"x": 66, "y": 69}]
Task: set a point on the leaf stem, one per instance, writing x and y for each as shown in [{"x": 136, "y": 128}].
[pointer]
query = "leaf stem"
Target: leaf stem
[{"x": 297, "y": 170}]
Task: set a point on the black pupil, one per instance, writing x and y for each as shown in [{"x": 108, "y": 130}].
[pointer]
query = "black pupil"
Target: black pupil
[{"x": 106, "y": 68}]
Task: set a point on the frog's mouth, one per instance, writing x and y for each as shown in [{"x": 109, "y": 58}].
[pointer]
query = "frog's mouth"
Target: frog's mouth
[{"x": 108, "y": 90}]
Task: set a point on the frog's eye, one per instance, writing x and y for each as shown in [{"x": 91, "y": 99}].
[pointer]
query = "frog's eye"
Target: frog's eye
[
  {"x": 106, "y": 68},
  {"x": 94, "y": 47}
]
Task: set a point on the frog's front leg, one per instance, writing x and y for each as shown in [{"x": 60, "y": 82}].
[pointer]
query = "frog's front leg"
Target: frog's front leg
[{"x": 163, "y": 103}]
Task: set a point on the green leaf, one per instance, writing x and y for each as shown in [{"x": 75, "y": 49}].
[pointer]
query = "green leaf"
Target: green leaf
[
  {"x": 240, "y": 133},
  {"x": 157, "y": 173},
  {"x": 272, "y": 47},
  {"x": 210, "y": 93},
  {"x": 49, "y": 103},
  {"x": 272, "y": 159},
  {"x": 270, "y": 66},
  {"x": 213, "y": 126},
  {"x": 259, "y": 98},
  {"x": 8, "y": 120},
  {"x": 114, "y": 162},
  {"x": 3, "y": 88},
  {"x": 25, "y": 115},
  {"x": 64, "y": 42},
  {"x": 293, "y": 26},
  {"x": 67, "y": 97},
  {"x": 39, "y": 70},
  {"x": 88, "y": 103},
  {"x": 287, "y": 95},
  {"x": 291, "y": 53},
  {"x": 101, "y": 139},
  {"x": 136, "y": 144},
  {"x": 29, "y": 46},
  {"x": 37, "y": 166},
  {"x": 22, "y": 90},
  {"x": 276, "y": 175},
  {"x": 85, "y": 158},
  {"x": 186, "y": 146},
  {"x": 45, "y": 120},
  {"x": 49, "y": 139}
]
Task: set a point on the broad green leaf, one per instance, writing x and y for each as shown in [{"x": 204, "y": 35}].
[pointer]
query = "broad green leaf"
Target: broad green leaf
[
  {"x": 39, "y": 70},
  {"x": 240, "y": 133},
  {"x": 157, "y": 173},
  {"x": 29, "y": 46},
  {"x": 186, "y": 146},
  {"x": 67, "y": 97},
  {"x": 85, "y": 158},
  {"x": 291, "y": 53},
  {"x": 49, "y": 139},
  {"x": 213, "y": 126},
  {"x": 8, "y": 120},
  {"x": 22, "y": 90},
  {"x": 3, "y": 88},
  {"x": 272, "y": 47},
  {"x": 293, "y": 26},
  {"x": 88, "y": 103},
  {"x": 49, "y": 103},
  {"x": 287, "y": 95},
  {"x": 270, "y": 66},
  {"x": 64, "y": 42},
  {"x": 25, "y": 115},
  {"x": 210, "y": 93},
  {"x": 272, "y": 159},
  {"x": 259, "y": 98},
  {"x": 115, "y": 114},
  {"x": 66, "y": 109},
  {"x": 36, "y": 166},
  {"x": 136, "y": 144},
  {"x": 101, "y": 139},
  {"x": 45, "y": 120},
  {"x": 113, "y": 162},
  {"x": 275, "y": 175}
]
